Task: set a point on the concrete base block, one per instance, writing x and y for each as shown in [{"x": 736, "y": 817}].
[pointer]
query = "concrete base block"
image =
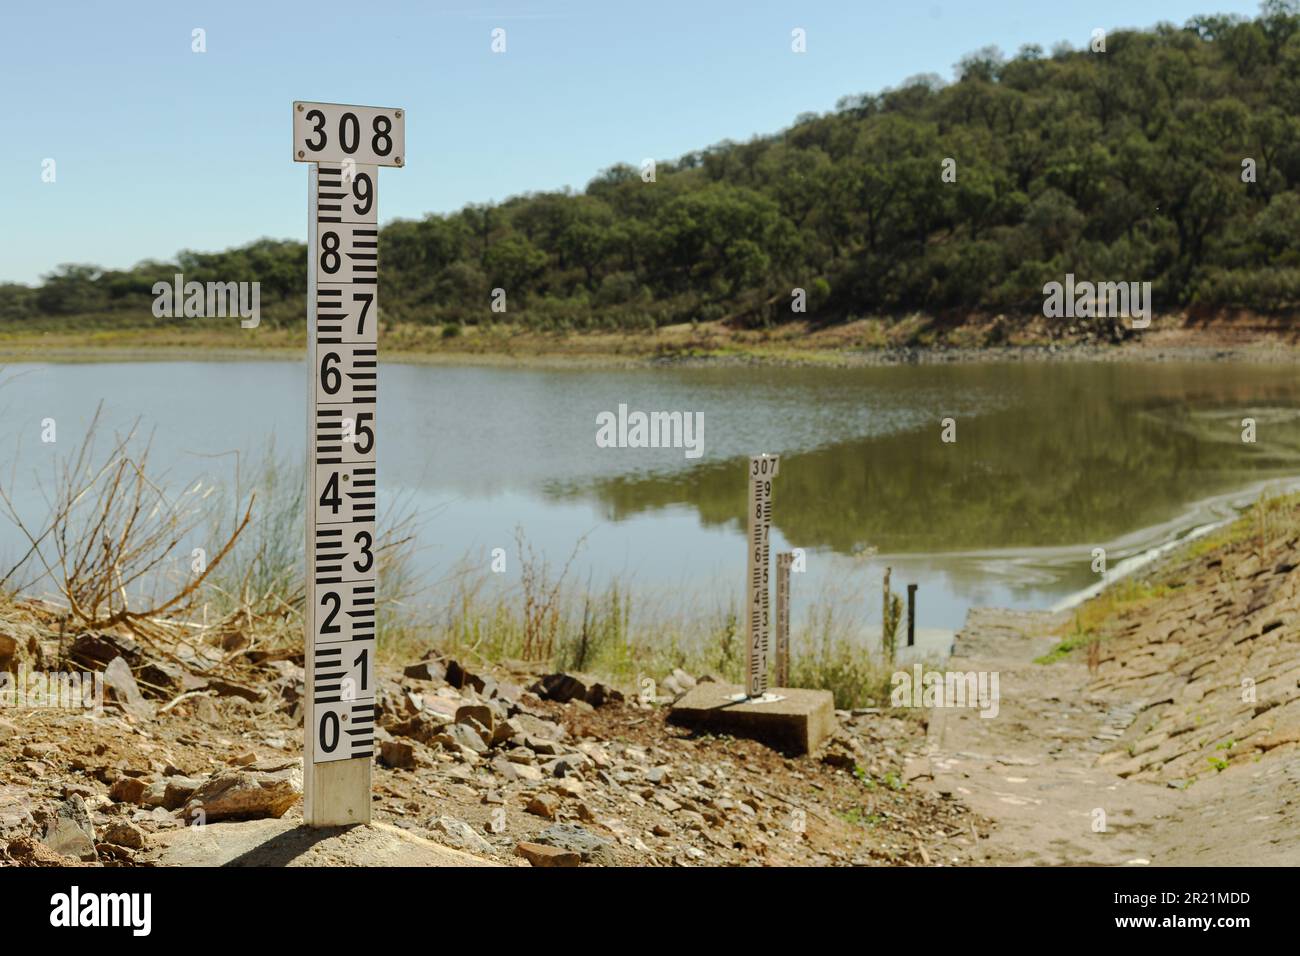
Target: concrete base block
[{"x": 796, "y": 724}]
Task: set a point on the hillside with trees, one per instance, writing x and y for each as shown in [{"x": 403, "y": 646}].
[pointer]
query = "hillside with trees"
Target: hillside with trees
[{"x": 1173, "y": 157}]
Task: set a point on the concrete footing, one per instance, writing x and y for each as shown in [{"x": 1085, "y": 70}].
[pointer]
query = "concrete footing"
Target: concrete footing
[{"x": 796, "y": 723}]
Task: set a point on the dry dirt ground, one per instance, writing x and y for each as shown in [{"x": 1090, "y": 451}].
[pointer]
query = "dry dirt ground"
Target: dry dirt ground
[{"x": 1144, "y": 763}]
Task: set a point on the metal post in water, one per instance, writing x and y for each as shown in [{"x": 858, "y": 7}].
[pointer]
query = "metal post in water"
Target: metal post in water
[
  {"x": 886, "y": 638},
  {"x": 911, "y": 614}
]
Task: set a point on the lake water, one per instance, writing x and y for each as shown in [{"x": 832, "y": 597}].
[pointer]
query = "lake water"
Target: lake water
[{"x": 1050, "y": 461}]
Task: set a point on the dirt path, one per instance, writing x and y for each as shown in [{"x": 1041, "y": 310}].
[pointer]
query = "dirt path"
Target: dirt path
[{"x": 1034, "y": 769}]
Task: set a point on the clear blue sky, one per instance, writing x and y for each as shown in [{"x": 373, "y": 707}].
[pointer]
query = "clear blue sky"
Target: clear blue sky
[{"x": 160, "y": 149}]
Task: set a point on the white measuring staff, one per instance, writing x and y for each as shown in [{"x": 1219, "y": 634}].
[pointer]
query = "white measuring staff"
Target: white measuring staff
[
  {"x": 345, "y": 145},
  {"x": 784, "y": 559},
  {"x": 762, "y": 470}
]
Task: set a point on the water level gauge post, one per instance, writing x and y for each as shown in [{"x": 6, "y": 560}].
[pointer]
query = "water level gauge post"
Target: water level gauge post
[
  {"x": 345, "y": 146},
  {"x": 762, "y": 470}
]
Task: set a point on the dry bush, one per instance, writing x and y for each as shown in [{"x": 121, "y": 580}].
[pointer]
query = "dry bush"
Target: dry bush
[
  {"x": 113, "y": 530},
  {"x": 542, "y": 598}
]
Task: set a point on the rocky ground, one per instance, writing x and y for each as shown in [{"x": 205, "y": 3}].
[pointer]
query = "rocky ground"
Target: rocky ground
[
  {"x": 1175, "y": 739},
  {"x": 568, "y": 772}
]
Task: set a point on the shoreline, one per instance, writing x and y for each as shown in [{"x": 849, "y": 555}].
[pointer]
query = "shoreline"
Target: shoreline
[{"x": 1255, "y": 353}]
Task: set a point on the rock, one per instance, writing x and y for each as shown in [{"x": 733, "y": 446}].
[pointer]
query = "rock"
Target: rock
[
  {"x": 128, "y": 790},
  {"x": 125, "y": 834},
  {"x": 685, "y": 680},
  {"x": 600, "y": 694},
  {"x": 660, "y": 776},
  {"x": 15, "y": 815},
  {"x": 560, "y": 688},
  {"x": 566, "y": 688},
  {"x": 26, "y": 851},
  {"x": 397, "y": 754},
  {"x": 69, "y": 831},
  {"x": 120, "y": 685},
  {"x": 483, "y": 732},
  {"x": 424, "y": 726},
  {"x": 667, "y": 802},
  {"x": 838, "y": 757},
  {"x": 597, "y": 753},
  {"x": 570, "y": 787},
  {"x": 158, "y": 819},
  {"x": 533, "y": 726},
  {"x": 461, "y": 735},
  {"x": 504, "y": 730},
  {"x": 99, "y": 650},
  {"x": 504, "y": 691},
  {"x": 540, "y": 855},
  {"x": 917, "y": 768},
  {"x": 544, "y": 805},
  {"x": 8, "y": 651},
  {"x": 243, "y": 760},
  {"x": 459, "y": 678},
  {"x": 564, "y": 765},
  {"x": 460, "y": 835},
  {"x": 479, "y": 713},
  {"x": 155, "y": 794},
  {"x": 442, "y": 705},
  {"x": 178, "y": 791},
  {"x": 540, "y": 745},
  {"x": 41, "y": 751},
  {"x": 691, "y": 818},
  {"x": 516, "y": 771},
  {"x": 205, "y": 709},
  {"x": 577, "y": 839},
  {"x": 426, "y": 670},
  {"x": 410, "y": 702},
  {"x": 243, "y": 795},
  {"x": 225, "y": 688}
]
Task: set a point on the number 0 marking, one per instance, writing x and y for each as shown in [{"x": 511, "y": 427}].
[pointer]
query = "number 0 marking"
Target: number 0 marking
[{"x": 329, "y": 744}]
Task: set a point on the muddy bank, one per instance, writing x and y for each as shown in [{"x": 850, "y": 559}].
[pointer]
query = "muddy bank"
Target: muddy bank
[{"x": 1158, "y": 724}]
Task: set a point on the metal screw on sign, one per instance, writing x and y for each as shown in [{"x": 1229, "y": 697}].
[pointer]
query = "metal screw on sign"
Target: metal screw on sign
[{"x": 346, "y": 145}]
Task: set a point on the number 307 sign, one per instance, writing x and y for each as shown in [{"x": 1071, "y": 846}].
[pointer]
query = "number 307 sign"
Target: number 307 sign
[{"x": 345, "y": 146}]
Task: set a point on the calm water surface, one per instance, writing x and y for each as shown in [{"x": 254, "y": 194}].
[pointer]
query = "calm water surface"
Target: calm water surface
[{"x": 1050, "y": 461}]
